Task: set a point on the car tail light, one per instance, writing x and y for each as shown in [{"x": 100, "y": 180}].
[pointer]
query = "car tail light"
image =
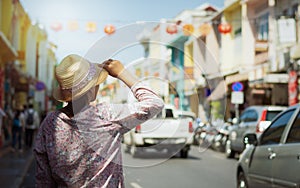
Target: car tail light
[
  {"x": 138, "y": 129},
  {"x": 259, "y": 129},
  {"x": 191, "y": 129}
]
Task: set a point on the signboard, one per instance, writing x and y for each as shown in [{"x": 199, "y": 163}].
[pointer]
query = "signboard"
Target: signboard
[
  {"x": 237, "y": 86},
  {"x": 287, "y": 30},
  {"x": 237, "y": 97}
]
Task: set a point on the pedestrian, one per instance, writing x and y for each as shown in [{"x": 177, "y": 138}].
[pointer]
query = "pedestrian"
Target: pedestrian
[
  {"x": 80, "y": 144},
  {"x": 18, "y": 129},
  {"x": 32, "y": 122}
]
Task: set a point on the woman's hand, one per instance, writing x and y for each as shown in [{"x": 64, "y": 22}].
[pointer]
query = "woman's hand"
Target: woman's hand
[
  {"x": 113, "y": 67},
  {"x": 116, "y": 69}
]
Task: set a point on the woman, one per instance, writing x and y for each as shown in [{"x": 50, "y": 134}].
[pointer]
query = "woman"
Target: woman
[{"x": 80, "y": 145}]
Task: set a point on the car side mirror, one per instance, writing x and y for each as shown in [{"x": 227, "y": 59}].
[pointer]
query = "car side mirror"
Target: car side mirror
[{"x": 250, "y": 139}]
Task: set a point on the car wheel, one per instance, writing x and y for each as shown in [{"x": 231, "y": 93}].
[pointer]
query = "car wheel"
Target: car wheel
[
  {"x": 228, "y": 151},
  {"x": 241, "y": 181}
]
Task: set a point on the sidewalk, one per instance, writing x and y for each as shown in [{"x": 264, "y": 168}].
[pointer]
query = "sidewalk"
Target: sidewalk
[{"x": 14, "y": 166}]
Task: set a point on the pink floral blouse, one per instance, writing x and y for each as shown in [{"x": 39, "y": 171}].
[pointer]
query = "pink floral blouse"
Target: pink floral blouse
[{"x": 85, "y": 151}]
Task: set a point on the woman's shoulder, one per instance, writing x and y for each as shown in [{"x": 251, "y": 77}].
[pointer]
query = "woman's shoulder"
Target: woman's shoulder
[{"x": 50, "y": 119}]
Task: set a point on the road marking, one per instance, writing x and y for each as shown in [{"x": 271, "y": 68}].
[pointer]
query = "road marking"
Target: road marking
[{"x": 135, "y": 185}]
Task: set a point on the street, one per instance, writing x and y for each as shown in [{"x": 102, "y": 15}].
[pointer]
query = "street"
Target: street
[{"x": 200, "y": 170}]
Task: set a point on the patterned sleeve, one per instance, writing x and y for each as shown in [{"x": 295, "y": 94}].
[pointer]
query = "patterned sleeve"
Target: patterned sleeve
[
  {"x": 43, "y": 172},
  {"x": 132, "y": 114}
]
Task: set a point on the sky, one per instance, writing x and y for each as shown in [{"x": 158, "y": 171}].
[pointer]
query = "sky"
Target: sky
[{"x": 123, "y": 14}]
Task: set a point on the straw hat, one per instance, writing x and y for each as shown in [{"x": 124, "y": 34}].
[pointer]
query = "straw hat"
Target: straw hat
[{"x": 76, "y": 76}]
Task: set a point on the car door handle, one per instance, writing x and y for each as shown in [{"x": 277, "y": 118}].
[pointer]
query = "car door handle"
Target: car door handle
[
  {"x": 298, "y": 156},
  {"x": 272, "y": 154}
]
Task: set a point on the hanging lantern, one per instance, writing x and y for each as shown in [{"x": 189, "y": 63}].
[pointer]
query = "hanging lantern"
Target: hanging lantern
[
  {"x": 91, "y": 27},
  {"x": 205, "y": 29},
  {"x": 224, "y": 28},
  {"x": 171, "y": 29},
  {"x": 188, "y": 29},
  {"x": 109, "y": 29},
  {"x": 56, "y": 26},
  {"x": 73, "y": 25}
]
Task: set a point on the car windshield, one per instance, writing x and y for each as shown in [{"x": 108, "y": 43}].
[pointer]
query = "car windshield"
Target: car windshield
[{"x": 272, "y": 114}]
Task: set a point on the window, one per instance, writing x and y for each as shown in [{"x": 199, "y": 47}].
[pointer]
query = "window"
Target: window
[
  {"x": 262, "y": 27},
  {"x": 252, "y": 116},
  {"x": 249, "y": 115},
  {"x": 169, "y": 113},
  {"x": 294, "y": 134},
  {"x": 271, "y": 115},
  {"x": 273, "y": 134}
]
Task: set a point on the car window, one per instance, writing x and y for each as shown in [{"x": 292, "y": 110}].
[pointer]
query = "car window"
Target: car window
[
  {"x": 294, "y": 134},
  {"x": 272, "y": 114},
  {"x": 169, "y": 113},
  {"x": 273, "y": 134},
  {"x": 252, "y": 116},
  {"x": 249, "y": 115}
]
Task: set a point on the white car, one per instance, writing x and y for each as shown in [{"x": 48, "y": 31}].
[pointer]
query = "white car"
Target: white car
[{"x": 168, "y": 130}]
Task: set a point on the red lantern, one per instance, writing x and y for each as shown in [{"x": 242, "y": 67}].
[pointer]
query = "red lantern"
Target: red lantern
[
  {"x": 188, "y": 29},
  {"x": 109, "y": 29},
  {"x": 225, "y": 28},
  {"x": 56, "y": 26},
  {"x": 171, "y": 29}
]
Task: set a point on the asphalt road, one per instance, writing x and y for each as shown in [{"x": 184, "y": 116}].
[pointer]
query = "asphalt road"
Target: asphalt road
[{"x": 202, "y": 169}]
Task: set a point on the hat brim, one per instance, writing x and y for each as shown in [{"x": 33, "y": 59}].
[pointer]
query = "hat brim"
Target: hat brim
[{"x": 100, "y": 77}]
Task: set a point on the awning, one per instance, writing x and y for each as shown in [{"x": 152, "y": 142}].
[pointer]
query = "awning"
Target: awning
[
  {"x": 7, "y": 52},
  {"x": 219, "y": 92},
  {"x": 236, "y": 78}
]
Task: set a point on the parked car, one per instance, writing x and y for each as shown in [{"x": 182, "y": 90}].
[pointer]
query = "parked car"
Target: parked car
[
  {"x": 254, "y": 119},
  {"x": 273, "y": 159}
]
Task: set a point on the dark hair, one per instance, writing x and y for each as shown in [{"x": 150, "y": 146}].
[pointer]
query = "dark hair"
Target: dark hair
[
  {"x": 18, "y": 112},
  {"x": 30, "y": 106}
]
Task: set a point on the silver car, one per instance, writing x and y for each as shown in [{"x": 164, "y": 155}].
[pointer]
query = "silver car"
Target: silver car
[
  {"x": 254, "y": 119},
  {"x": 273, "y": 160}
]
